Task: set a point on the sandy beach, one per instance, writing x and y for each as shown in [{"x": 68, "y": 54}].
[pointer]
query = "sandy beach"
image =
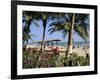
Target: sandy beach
[{"x": 80, "y": 51}]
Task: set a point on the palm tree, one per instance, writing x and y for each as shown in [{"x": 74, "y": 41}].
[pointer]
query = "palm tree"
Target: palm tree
[
  {"x": 39, "y": 16},
  {"x": 44, "y": 16},
  {"x": 26, "y": 30},
  {"x": 72, "y": 22}
]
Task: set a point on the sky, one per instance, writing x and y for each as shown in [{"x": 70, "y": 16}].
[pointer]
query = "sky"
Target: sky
[{"x": 38, "y": 32}]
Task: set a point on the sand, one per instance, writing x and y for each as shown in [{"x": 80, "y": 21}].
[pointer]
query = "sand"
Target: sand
[{"x": 81, "y": 51}]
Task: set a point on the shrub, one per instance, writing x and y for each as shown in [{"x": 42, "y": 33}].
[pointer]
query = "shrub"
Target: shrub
[
  {"x": 84, "y": 61},
  {"x": 75, "y": 60},
  {"x": 29, "y": 59},
  {"x": 37, "y": 59}
]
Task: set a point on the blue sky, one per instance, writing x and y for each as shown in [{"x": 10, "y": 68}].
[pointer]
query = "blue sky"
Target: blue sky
[{"x": 38, "y": 32}]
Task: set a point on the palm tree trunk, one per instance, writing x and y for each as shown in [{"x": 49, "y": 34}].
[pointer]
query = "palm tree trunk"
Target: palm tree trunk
[
  {"x": 43, "y": 42},
  {"x": 44, "y": 29},
  {"x": 70, "y": 37}
]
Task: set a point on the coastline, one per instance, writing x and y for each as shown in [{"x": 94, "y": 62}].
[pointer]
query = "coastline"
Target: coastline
[{"x": 79, "y": 50}]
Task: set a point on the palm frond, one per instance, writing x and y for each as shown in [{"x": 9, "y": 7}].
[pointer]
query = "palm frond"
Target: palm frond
[
  {"x": 81, "y": 31},
  {"x": 56, "y": 22},
  {"x": 57, "y": 27},
  {"x": 67, "y": 26},
  {"x": 36, "y": 23},
  {"x": 82, "y": 19},
  {"x": 32, "y": 14},
  {"x": 68, "y": 17},
  {"x": 52, "y": 30}
]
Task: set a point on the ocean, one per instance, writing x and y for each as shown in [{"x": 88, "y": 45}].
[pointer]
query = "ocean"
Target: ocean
[
  {"x": 76, "y": 44},
  {"x": 60, "y": 43}
]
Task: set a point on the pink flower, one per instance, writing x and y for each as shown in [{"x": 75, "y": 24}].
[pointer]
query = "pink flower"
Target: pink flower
[{"x": 55, "y": 50}]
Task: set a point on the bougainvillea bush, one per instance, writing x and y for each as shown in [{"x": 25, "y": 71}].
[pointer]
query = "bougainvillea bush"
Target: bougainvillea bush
[{"x": 38, "y": 59}]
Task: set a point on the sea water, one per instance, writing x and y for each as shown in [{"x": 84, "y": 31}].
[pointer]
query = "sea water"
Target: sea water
[
  {"x": 65, "y": 44},
  {"x": 75, "y": 44}
]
